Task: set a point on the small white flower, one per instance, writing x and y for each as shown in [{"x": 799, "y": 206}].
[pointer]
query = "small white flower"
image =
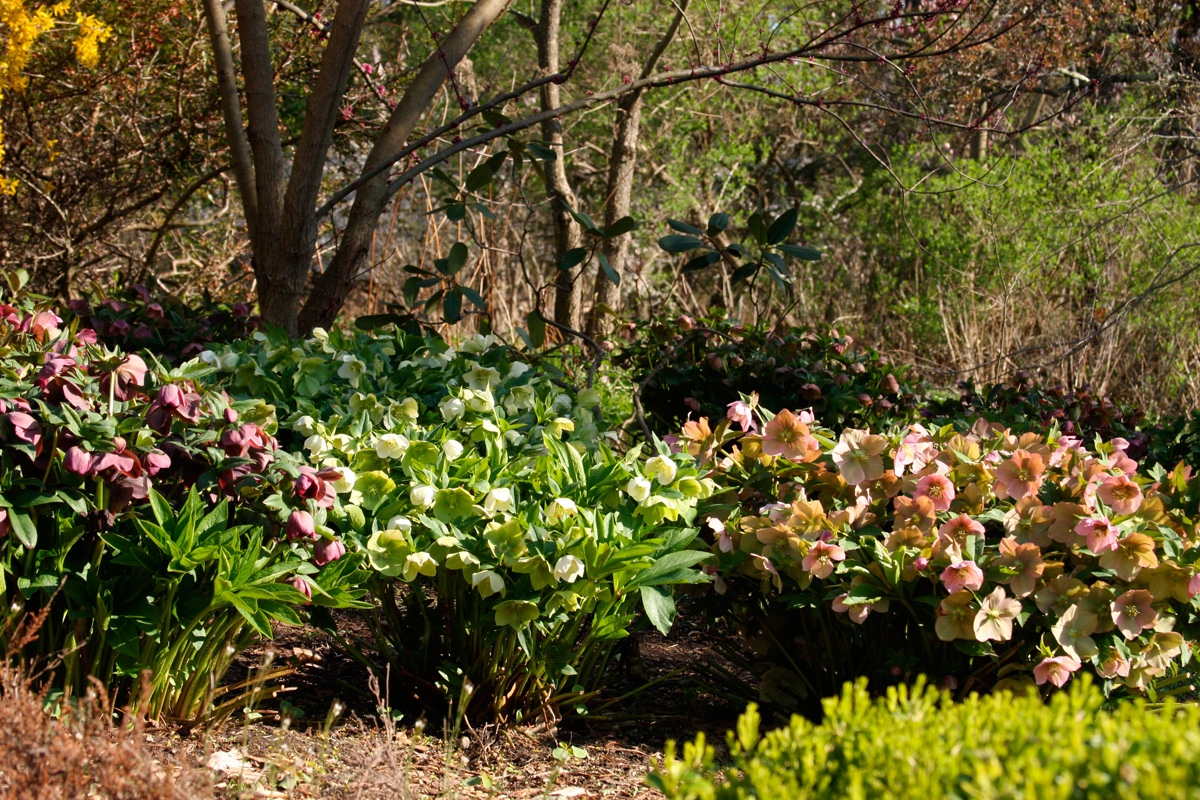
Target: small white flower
[
  {"x": 422, "y": 495},
  {"x": 520, "y": 398},
  {"x": 638, "y": 488},
  {"x": 316, "y": 445},
  {"x": 259, "y": 336},
  {"x": 561, "y": 508},
  {"x": 518, "y": 369},
  {"x": 662, "y": 469},
  {"x": 487, "y": 582},
  {"x": 452, "y": 448},
  {"x": 229, "y": 362},
  {"x": 569, "y": 569},
  {"x": 482, "y": 379},
  {"x": 419, "y": 564},
  {"x": 341, "y": 441},
  {"x": 209, "y": 357},
  {"x": 408, "y": 408},
  {"x": 391, "y": 445},
  {"x": 479, "y": 343},
  {"x": 351, "y": 369},
  {"x": 452, "y": 408},
  {"x": 399, "y": 523},
  {"x": 497, "y": 501},
  {"x": 305, "y": 426}
]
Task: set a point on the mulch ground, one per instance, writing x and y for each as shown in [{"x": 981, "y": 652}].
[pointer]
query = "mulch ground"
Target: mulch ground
[{"x": 362, "y": 754}]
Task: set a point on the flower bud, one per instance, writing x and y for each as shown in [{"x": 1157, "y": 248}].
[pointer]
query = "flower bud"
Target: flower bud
[
  {"x": 422, "y": 495},
  {"x": 327, "y": 550},
  {"x": 301, "y": 585},
  {"x": 300, "y": 525}
]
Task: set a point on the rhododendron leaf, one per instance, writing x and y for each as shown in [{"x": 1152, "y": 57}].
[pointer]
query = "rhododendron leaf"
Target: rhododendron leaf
[
  {"x": 573, "y": 258},
  {"x": 683, "y": 227},
  {"x": 743, "y": 273},
  {"x": 537, "y": 330},
  {"x": 757, "y": 227},
  {"x": 452, "y": 306},
  {"x": 783, "y": 226},
  {"x": 542, "y": 152},
  {"x": 609, "y": 272},
  {"x": 479, "y": 177},
  {"x": 676, "y": 243},
  {"x": 620, "y": 227},
  {"x": 802, "y": 253},
  {"x": 717, "y": 223}
]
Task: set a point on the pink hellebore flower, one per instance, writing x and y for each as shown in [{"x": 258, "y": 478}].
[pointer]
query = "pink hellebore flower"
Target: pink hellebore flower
[
  {"x": 1120, "y": 494},
  {"x": 300, "y": 525},
  {"x": 937, "y": 488},
  {"x": 131, "y": 372},
  {"x": 301, "y": 586},
  {"x": 1019, "y": 476},
  {"x": 1114, "y": 666},
  {"x": 857, "y": 612},
  {"x": 156, "y": 462},
  {"x": 78, "y": 461},
  {"x": 1026, "y": 557},
  {"x": 5, "y": 525},
  {"x": 740, "y": 413},
  {"x": 25, "y": 427},
  {"x": 952, "y": 536},
  {"x": 1101, "y": 535},
  {"x": 787, "y": 436},
  {"x": 1056, "y": 670},
  {"x": 1193, "y": 587},
  {"x": 821, "y": 559},
  {"x": 724, "y": 540},
  {"x": 43, "y": 324},
  {"x": 962, "y": 575},
  {"x": 1132, "y": 612},
  {"x": 327, "y": 550}
]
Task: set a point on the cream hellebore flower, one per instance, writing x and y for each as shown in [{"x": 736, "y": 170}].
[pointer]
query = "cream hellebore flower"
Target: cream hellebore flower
[
  {"x": 408, "y": 408},
  {"x": 638, "y": 488},
  {"x": 351, "y": 369},
  {"x": 422, "y": 495},
  {"x": 347, "y": 481},
  {"x": 1074, "y": 631},
  {"x": 517, "y": 369},
  {"x": 316, "y": 445},
  {"x": 562, "y": 402},
  {"x": 305, "y": 426},
  {"x": 488, "y": 583},
  {"x": 497, "y": 501},
  {"x": 520, "y": 398},
  {"x": 391, "y": 445},
  {"x": 452, "y": 408},
  {"x": 482, "y": 379},
  {"x": 569, "y": 569},
  {"x": 480, "y": 401},
  {"x": 561, "y": 508},
  {"x": 995, "y": 617},
  {"x": 419, "y": 564},
  {"x": 400, "y": 523},
  {"x": 452, "y": 448},
  {"x": 661, "y": 469},
  {"x": 479, "y": 343},
  {"x": 859, "y": 456}
]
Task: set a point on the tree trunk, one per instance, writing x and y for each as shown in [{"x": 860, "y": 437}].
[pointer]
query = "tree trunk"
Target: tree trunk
[{"x": 332, "y": 287}]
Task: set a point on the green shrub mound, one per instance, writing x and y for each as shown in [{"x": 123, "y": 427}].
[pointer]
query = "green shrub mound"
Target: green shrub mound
[{"x": 917, "y": 743}]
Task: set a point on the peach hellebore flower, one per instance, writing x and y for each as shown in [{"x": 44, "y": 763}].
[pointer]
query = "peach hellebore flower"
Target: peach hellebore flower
[
  {"x": 1193, "y": 587},
  {"x": 1056, "y": 670},
  {"x": 821, "y": 559},
  {"x": 859, "y": 456},
  {"x": 1025, "y": 557},
  {"x": 952, "y": 536},
  {"x": 962, "y": 575},
  {"x": 1120, "y": 494},
  {"x": 1114, "y": 666},
  {"x": 787, "y": 436},
  {"x": 937, "y": 488},
  {"x": 1133, "y": 554},
  {"x": 995, "y": 618},
  {"x": 1074, "y": 631},
  {"x": 956, "y": 618},
  {"x": 1101, "y": 535},
  {"x": 741, "y": 413},
  {"x": 1019, "y": 476},
  {"x": 1132, "y": 612}
]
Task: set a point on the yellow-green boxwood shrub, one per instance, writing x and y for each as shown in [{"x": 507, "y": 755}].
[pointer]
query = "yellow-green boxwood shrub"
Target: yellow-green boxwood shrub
[{"x": 918, "y": 744}]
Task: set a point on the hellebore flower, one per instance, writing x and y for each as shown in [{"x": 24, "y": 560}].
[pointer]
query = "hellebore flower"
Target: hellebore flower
[
  {"x": 300, "y": 525},
  {"x": 1132, "y": 612},
  {"x": 452, "y": 408},
  {"x": 156, "y": 462},
  {"x": 1056, "y": 670},
  {"x": 391, "y": 445},
  {"x": 821, "y": 559},
  {"x": 995, "y": 617},
  {"x": 962, "y": 575},
  {"x": 452, "y": 448},
  {"x": 327, "y": 550},
  {"x": 952, "y": 536},
  {"x": 955, "y": 617},
  {"x": 661, "y": 469},
  {"x": 1101, "y": 535},
  {"x": 937, "y": 488},
  {"x": 1074, "y": 631},
  {"x": 301, "y": 585},
  {"x": 78, "y": 461},
  {"x": 1027, "y": 558},
  {"x": 1132, "y": 554},
  {"x": 129, "y": 373},
  {"x": 422, "y": 495},
  {"x": 1120, "y": 494},
  {"x": 741, "y": 413},
  {"x": 561, "y": 508},
  {"x": 569, "y": 569},
  {"x": 497, "y": 501},
  {"x": 1020, "y": 475},
  {"x": 25, "y": 427},
  {"x": 787, "y": 436},
  {"x": 859, "y": 456}
]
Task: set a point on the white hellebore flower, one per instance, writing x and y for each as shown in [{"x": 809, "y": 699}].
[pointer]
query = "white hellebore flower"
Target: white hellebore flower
[
  {"x": 520, "y": 398},
  {"x": 229, "y": 362},
  {"x": 408, "y": 407},
  {"x": 342, "y": 441},
  {"x": 305, "y": 426},
  {"x": 561, "y": 508},
  {"x": 346, "y": 482},
  {"x": 661, "y": 469},
  {"x": 209, "y": 357},
  {"x": 569, "y": 569},
  {"x": 478, "y": 343},
  {"x": 316, "y": 445},
  {"x": 481, "y": 401},
  {"x": 400, "y": 523},
  {"x": 351, "y": 369},
  {"x": 497, "y": 501},
  {"x": 452, "y": 448},
  {"x": 482, "y": 379},
  {"x": 419, "y": 564},
  {"x": 391, "y": 445},
  {"x": 487, "y": 582},
  {"x": 638, "y": 488},
  {"x": 452, "y": 408},
  {"x": 518, "y": 369},
  {"x": 422, "y": 495}
]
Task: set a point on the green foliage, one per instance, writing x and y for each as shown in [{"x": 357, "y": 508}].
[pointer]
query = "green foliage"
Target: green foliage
[{"x": 917, "y": 743}]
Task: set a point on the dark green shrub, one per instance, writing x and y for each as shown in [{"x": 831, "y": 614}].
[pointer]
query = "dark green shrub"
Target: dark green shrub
[{"x": 918, "y": 744}]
